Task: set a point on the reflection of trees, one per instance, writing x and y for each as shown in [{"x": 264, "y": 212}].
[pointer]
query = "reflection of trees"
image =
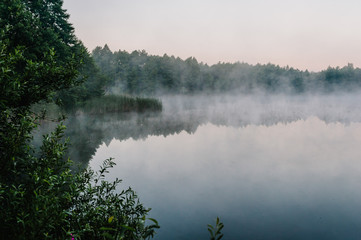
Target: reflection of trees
[
  {"x": 85, "y": 137},
  {"x": 87, "y": 132}
]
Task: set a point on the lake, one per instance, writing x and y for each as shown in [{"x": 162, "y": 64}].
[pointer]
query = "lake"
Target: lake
[{"x": 270, "y": 166}]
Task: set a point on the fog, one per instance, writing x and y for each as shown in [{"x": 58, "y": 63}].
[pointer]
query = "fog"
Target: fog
[
  {"x": 263, "y": 108},
  {"x": 270, "y": 165},
  {"x": 188, "y": 112}
]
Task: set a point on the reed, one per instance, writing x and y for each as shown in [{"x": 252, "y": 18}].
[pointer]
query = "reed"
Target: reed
[{"x": 121, "y": 103}]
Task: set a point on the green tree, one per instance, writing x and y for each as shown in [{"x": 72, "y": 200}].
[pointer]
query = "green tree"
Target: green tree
[
  {"x": 40, "y": 25},
  {"x": 40, "y": 196},
  {"x": 93, "y": 86},
  {"x": 31, "y": 67}
]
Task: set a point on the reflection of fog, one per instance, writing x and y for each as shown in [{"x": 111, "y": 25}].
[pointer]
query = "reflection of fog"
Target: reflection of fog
[
  {"x": 239, "y": 110},
  {"x": 291, "y": 181},
  {"x": 180, "y": 113},
  {"x": 271, "y": 166}
]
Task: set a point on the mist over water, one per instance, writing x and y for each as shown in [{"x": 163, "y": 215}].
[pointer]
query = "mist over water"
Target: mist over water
[
  {"x": 271, "y": 166},
  {"x": 263, "y": 109}
]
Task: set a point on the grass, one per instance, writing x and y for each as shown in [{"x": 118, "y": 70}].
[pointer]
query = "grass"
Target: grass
[{"x": 121, "y": 103}]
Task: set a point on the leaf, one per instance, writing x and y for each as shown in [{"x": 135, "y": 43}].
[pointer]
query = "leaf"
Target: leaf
[
  {"x": 129, "y": 228},
  {"x": 153, "y": 220},
  {"x": 110, "y": 219},
  {"x": 210, "y": 232}
]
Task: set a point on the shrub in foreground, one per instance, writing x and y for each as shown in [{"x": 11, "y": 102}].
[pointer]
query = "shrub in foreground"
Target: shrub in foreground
[{"x": 47, "y": 200}]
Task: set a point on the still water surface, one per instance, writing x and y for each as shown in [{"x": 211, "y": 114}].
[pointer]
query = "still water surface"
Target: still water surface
[{"x": 286, "y": 170}]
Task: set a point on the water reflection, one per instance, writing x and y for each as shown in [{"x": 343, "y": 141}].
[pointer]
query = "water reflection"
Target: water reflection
[
  {"x": 186, "y": 113},
  {"x": 289, "y": 181},
  {"x": 272, "y": 167}
]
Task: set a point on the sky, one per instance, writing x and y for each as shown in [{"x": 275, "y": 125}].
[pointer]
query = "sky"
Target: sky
[{"x": 304, "y": 34}]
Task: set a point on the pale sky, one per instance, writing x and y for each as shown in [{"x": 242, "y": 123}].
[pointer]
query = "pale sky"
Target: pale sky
[{"x": 304, "y": 34}]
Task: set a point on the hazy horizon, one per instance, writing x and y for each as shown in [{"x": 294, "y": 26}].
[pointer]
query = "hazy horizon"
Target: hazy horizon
[{"x": 304, "y": 35}]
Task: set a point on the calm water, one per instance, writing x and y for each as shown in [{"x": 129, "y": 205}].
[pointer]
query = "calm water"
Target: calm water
[
  {"x": 271, "y": 167},
  {"x": 291, "y": 181}
]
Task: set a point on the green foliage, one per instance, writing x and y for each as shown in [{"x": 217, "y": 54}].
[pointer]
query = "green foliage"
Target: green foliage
[
  {"x": 24, "y": 81},
  {"x": 49, "y": 201},
  {"x": 34, "y": 202},
  {"x": 40, "y": 196},
  {"x": 215, "y": 232},
  {"x": 93, "y": 86},
  {"x": 140, "y": 73},
  {"x": 113, "y": 103},
  {"x": 99, "y": 211},
  {"x": 40, "y": 25}
]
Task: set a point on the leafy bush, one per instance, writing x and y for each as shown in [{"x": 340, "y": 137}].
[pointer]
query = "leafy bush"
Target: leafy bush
[
  {"x": 99, "y": 211},
  {"x": 50, "y": 201},
  {"x": 41, "y": 197}
]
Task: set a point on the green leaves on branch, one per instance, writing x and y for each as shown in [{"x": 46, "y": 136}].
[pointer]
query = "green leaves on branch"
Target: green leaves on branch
[
  {"x": 25, "y": 82},
  {"x": 41, "y": 197},
  {"x": 39, "y": 51},
  {"x": 49, "y": 201},
  {"x": 102, "y": 210},
  {"x": 215, "y": 231}
]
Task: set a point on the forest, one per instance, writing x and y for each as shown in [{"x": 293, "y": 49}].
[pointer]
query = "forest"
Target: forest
[{"x": 139, "y": 73}]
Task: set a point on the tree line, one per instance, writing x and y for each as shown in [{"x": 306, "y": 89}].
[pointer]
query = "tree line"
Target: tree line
[
  {"x": 140, "y": 73},
  {"x": 104, "y": 72}
]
